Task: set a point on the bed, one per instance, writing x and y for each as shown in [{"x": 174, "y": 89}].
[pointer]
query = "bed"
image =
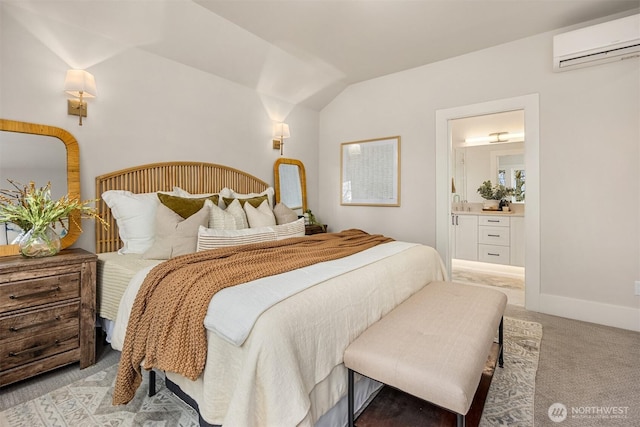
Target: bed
[{"x": 274, "y": 364}]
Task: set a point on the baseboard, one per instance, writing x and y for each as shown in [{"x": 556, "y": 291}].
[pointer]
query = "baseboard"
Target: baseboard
[{"x": 590, "y": 311}]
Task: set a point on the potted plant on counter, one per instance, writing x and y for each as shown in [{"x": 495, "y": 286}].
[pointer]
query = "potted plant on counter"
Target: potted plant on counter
[{"x": 494, "y": 195}]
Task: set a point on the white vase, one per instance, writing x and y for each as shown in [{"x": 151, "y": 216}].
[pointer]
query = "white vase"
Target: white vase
[{"x": 491, "y": 205}]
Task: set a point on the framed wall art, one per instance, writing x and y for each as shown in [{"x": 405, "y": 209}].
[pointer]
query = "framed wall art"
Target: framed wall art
[{"x": 370, "y": 172}]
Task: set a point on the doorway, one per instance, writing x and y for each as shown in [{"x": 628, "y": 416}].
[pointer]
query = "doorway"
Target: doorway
[
  {"x": 444, "y": 173},
  {"x": 488, "y": 245}
]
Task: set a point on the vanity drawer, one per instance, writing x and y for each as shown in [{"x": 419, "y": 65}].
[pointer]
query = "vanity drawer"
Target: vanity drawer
[
  {"x": 493, "y": 235},
  {"x": 493, "y": 253},
  {"x": 495, "y": 221},
  {"x": 39, "y": 290},
  {"x": 20, "y": 326}
]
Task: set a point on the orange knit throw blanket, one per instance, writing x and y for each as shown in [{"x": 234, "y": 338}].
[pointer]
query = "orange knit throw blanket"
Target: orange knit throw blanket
[{"x": 166, "y": 325}]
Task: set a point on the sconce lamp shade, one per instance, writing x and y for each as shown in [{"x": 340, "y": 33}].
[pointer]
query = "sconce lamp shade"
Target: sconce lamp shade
[
  {"x": 80, "y": 83},
  {"x": 281, "y": 130}
]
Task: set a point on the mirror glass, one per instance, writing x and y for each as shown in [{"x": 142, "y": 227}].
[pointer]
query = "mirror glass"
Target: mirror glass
[
  {"x": 290, "y": 184},
  {"x": 42, "y": 154},
  {"x": 475, "y": 162}
]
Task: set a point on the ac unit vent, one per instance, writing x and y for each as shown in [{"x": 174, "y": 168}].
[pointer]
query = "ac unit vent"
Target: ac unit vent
[{"x": 610, "y": 41}]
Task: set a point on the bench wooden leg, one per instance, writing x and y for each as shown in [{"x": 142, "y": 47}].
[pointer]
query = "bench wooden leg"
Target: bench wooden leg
[
  {"x": 350, "y": 399},
  {"x": 152, "y": 383},
  {"x": 460, "y": 420},
  {"x": 501, "y": 342}
]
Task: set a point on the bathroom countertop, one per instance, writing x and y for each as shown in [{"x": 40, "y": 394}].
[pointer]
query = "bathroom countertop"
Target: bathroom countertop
[{"x": 485, "y": 213}]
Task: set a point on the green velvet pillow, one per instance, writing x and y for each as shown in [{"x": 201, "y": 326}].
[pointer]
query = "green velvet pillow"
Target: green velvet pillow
[
  {"x": 185, "y": 206},
  {"x": 253, "y": 201}
]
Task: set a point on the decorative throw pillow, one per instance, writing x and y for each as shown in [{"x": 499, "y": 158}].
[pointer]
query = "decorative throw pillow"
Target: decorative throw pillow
[
  {"x": 253, "y": 201},
  {"x": 176, "y": 235},
  {"x": 180, "y": 192},
  {"x": 209, "y": 238},
  {"x": 284, "y": 214},
  {"x": 221, "y": 219},
  {"x": 185, "y": 206},
  {"x": 135, "y": 215},
  {"x": 262, "y": 216},
  {"x": 292, "y": 229},
  {"x": 269, "y": 192},
  {"x": 235, "y": 209}
]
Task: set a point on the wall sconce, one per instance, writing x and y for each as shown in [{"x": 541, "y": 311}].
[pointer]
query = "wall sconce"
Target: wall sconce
[
  {"x": 80, "y": 84},
  {"x": 280, "y": 131}
]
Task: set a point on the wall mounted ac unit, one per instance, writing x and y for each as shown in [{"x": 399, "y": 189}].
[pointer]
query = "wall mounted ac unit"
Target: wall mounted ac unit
[{"x": 606, "y": 42}]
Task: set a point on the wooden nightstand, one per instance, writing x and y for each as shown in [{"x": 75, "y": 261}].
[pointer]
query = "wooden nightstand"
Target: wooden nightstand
[
  {"x": 47, "y": 313},
  {"x": 314, "y": 229}
]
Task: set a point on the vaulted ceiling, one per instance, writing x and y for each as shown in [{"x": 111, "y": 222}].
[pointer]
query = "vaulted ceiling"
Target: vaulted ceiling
[{"x": 307, "y": 51}]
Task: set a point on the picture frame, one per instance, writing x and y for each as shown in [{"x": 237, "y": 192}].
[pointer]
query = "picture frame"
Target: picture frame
[{"x": 370, "y": 172}]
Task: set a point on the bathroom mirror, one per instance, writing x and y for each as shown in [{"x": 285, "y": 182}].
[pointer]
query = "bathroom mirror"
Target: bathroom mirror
[
  {"x": 40, "y": 153},
  {"x": 291, "y": 184}
]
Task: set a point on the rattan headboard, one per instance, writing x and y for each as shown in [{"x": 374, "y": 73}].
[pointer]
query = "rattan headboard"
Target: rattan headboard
[{"x": 194, "y": 177}]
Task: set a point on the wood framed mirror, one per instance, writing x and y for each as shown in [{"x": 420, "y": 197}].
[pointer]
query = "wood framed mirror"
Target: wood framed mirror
[
  {"x": 29, "y": 143},
  {"x": 291, "y": 184}
]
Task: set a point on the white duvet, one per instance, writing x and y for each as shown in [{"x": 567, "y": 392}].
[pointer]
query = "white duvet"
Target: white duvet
[{"x": 275, "y": 352}]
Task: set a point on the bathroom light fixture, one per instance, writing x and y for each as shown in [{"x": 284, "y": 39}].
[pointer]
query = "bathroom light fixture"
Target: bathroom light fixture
[
  {"x": 280, "y": 131},
  {"x": 497, "y": 137},
  {"x": 80, "y": 84}
]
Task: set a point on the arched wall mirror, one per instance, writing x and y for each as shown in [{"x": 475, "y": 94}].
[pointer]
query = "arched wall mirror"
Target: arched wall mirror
[
  {"x": 291, "y": 184},
  {"x": 39, "y": 153}
]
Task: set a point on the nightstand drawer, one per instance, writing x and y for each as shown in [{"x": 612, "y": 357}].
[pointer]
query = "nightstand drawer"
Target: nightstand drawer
[
  {"x": 31, "y": 323},
  {"x": 37, "y": 291},
  {"x": 20, "y": 352}
]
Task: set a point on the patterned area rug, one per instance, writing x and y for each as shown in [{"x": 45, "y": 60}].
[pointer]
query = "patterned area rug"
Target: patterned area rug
[
  {"x": 510, "y": 398},
  {"x": 88, "y": 402}
]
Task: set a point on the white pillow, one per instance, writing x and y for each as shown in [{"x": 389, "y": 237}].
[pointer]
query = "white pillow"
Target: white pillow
[
  {"x": 262, "y": 216},
  {"x": 292, "y": 229},
  {"x": 221, "y": 219},
  {"x": 235, "y": 209},
  {"x": 135, "y": 215},
  {"x": 284, "y": 214},
  {"x": 209, "y": 238},
  {"x": 229, "y": 193},
  {"x": 176, "y": 235}
]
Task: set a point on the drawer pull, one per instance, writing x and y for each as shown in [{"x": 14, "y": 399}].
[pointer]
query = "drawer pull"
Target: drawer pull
[
  {"x": 489, "y": 253},
  {"x": 493, "y": 235},
  {"x": 35, "y": 325},
  {"x": 37, "y": 348},
  {"x": 48, "y": 291},
  {"x": 493, "y": 220}
]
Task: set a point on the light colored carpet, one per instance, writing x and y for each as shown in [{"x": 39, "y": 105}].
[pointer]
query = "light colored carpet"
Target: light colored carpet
[{"x": 87, "y": 402}]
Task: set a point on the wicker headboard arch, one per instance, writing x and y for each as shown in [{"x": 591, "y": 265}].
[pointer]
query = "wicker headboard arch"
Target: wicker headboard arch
[{"x": 194, "y": 177}]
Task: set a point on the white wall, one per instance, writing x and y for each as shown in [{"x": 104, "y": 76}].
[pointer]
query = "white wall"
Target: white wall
[
  {"x": 589, "y": 164},
  {"x": 148, "y": 109}
]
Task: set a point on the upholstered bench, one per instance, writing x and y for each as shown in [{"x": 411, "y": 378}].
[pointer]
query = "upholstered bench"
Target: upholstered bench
[{"x": 434, "y": 345}]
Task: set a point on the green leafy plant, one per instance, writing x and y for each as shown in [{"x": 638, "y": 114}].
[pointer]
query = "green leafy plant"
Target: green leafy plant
[
  {"x": 312, "y": 219},
  {"x": 495, "y": 192},
  {"x": 30, "y": 207}
]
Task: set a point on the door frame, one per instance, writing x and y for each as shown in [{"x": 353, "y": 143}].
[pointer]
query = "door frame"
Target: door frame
[{"x": 530, "y": 105}]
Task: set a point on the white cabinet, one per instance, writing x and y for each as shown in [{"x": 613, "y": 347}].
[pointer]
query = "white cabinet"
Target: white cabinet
[
  {"x": 516, "y": 243},
  {"x": 465, "y": 236},
  {"x": 497, "y": 239},
  {"x": 494, "y": 240}
]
